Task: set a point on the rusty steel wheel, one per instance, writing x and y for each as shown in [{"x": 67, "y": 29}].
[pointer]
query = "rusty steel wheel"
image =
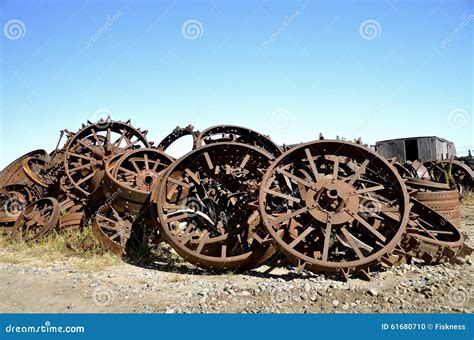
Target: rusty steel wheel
[
  {"x": 112, "y": 229},
  {"x": 430, "y": 236},
  {"x": 430, "y": 196},
  {"x": 334, "y": 206},
  {"x": 90, "y": 148},
  {"x": 13, "y": 173},
  {"x": 68, "y": 188},
  {"x": 431, "y": 227},
  {"x": 30, "y": 194},
  {"x": 176, "y": 134},
  {"x": 206, "y": 207},
  {"x": 71, "y": 215},
  {"x": 36, "y": 170},
  {"x": 238, "y": 134},
  {"x": 37, "y": 220},
  {"x": 13, "y": 200},
  {"x": 132, "y": 175},
  {"x": 451, "y": 171},
  {"x": 446, "y": 203}
]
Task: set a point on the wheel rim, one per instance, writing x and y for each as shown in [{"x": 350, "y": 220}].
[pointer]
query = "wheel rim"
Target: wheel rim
[
  {"x": 238, "y": 134},
  {"x": 34, "y": 168},
  {"x": 334, "y": 206},
  {"x": 112, "y": 229},
  {"x": 13, "y": 173},
  {"x": 207, "y": 206},
  {"x": 430, "y": 227},
  {"x": 177, "y": 134},
  {"x": 37, "y": 220}
]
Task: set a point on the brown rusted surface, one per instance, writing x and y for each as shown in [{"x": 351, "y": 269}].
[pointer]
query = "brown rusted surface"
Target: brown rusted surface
[
  {"x": 238, "y": 134},
  {"x": 112, "y": 229},
  {"x": 446, "y": 203},
  {"x": 176, "y": 134},
  {"x": 35, "y": 170},
  {"x": 327, "y": 204},
  {"x": 132, "y": 175},
  {"x": 431, "y": 237},
  {"x": 13, "y": 173},
  {"x": 237, "y": 199},
  {"x": 71, "y": 215},
  {"x": 207, "y": 206},
  {"x": 38, "y": 219},
  {"x": 90, "y": 148}
]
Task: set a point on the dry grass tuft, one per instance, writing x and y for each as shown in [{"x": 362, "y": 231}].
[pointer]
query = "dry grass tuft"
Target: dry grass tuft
[{"x": 77, "y": 246}]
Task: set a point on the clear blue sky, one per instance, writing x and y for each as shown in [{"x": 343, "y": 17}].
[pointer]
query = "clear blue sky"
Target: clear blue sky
[{"x": 290, "y": 69}]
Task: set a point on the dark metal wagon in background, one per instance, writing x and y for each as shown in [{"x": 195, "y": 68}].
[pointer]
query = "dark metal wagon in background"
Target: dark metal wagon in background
[{"x": 430, "y": 148}]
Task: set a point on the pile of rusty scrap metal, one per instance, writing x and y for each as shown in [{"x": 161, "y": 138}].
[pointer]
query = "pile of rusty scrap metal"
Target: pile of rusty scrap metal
[{"x": 237, "y": 200}]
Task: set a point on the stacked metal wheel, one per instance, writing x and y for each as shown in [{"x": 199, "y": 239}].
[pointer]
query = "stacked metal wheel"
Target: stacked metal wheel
[
  {"x": 64, "y": 178},
  {"x": 237, "y": 200},
  {"x": 432, "y": 238},
  {"x": 128, "y": 180},
  {"x": 446, "y": 203},
  {"x": 439, "y": 185}
]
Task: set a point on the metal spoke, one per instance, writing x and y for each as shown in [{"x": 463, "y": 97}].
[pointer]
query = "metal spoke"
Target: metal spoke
[{"x": 312, "y": 164}]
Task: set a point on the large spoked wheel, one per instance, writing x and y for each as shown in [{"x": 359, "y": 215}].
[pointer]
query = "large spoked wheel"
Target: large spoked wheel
[
  {"x": 207, "y": 207},
  {"x": 92, "y": 146},
  {"x": 334, "y": 206},
  {"x": 38, "y": 219}
]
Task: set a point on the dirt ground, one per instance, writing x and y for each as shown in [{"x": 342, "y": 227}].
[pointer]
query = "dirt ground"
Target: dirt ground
[{"x": 40, "y": 286}]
